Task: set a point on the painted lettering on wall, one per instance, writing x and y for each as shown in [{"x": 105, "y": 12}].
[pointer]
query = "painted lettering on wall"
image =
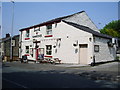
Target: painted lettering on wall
[{"x": 37, "y": 36}]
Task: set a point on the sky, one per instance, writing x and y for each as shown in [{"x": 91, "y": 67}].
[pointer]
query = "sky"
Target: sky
[{"x": 31, "y": 13}]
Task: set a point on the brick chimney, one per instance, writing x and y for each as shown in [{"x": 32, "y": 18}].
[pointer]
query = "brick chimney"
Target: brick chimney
[{"x": 7, "y": 35}]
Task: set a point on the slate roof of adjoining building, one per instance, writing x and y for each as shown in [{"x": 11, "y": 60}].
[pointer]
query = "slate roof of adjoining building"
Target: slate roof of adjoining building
[
  {"x": 87, "y": 29},
  {"x": 5, "y": 39},
  {"x": 8, "y": 38}
]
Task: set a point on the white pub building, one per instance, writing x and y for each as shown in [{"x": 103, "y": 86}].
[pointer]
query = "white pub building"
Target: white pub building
[{"x": 72, "y": 39}]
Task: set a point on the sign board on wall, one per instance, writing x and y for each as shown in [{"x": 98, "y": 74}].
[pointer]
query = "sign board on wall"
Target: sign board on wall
[
  {"x": 37, "y": 36},
  {"x": 13, "y": 42}
]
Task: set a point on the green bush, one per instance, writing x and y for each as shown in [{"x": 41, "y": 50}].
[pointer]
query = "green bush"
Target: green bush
[{"x": 117, "y": 57}]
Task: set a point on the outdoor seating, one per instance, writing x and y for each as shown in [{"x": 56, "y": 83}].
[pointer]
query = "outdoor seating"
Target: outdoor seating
[
  {"x": 56, "y": 60},
  {"x": 50, "y": 60}
]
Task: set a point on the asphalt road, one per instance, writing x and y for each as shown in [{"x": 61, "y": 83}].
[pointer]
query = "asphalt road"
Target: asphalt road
[{"x": 17, "y": 75}]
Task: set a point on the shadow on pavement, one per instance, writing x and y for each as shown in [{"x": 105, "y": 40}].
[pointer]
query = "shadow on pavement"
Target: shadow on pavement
[
  {"x": 4, "y": 65},
  {"x": 50, "y": 79}
]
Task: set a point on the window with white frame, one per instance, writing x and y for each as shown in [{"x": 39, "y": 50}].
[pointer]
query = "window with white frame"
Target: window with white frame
[
  {"x": 27, "y": 49},
  {"x": 48, "y": 49},
  {"x": 49, "y": 29},
  {"x": 27, "y": 33}
]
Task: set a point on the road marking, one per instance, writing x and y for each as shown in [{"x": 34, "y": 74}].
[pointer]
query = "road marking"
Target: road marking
[{"x": 15, "y": 83}]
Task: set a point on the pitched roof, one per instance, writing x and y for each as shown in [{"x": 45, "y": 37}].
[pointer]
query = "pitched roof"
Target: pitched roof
[
  {"x": 87, "y": 29},
  {"x": 50, "y": 21},
  {"x": 5, "y": 39},
  {"x": 8, "y": 38}
]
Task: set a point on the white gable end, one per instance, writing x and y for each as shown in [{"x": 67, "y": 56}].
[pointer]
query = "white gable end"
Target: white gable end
[{"x": 82, "y": 19}]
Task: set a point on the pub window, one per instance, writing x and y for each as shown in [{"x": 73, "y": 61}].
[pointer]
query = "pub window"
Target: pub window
[
  {"x": 27, "y": 49},
  {"x": 48, "y": 49},
  {"x": 96, "y": 48},
  {"x": 27, "y": 33},
  {"x": 49, "y": 29}
]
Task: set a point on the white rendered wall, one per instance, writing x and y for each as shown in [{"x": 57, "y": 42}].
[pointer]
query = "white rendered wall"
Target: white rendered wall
[
  {"x": 105, "y": 53},
  {"x": 66, "y": 51}
]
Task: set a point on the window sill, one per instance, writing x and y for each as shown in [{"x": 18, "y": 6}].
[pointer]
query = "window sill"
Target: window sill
[
  {"x": 27, "y": 54},
  {"x": 48, "y": 56},
  {"x": 49, "y": 36},
  {"x": 27, "y": 38}
]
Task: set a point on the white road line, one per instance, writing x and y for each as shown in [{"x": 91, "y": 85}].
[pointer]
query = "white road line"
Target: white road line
[{"x": 15, "y": 83}]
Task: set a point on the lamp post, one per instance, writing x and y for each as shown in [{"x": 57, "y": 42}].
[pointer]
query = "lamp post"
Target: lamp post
[
  {"x": 1, "y": 24},
  {"x": 11, "y": 49}
]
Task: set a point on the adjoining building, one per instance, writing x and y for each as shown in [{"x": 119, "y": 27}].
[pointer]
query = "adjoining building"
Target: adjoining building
[
  {"x": 5, "y": 45},
  {"x": 118, "y": 49},
  {"x": 72, "y": 39}
]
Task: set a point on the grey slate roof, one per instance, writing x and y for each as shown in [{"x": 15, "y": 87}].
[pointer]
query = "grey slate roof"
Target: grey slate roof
[
  {"x": 8, "y": 38},
  {"x": 87, "y": 29},
  {"x": 84, "y": 28},
  {"x": 5, "y": 39},
  {"x": 50, "y": 21}
]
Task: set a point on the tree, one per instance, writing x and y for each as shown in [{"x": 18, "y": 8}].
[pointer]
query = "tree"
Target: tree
[{"x": 112, "y": 29}]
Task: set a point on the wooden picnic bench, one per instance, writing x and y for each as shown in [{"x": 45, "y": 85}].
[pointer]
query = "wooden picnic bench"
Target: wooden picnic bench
[
  {"x": 51, "y": 60},
  {"x": 56, "y": 60}
]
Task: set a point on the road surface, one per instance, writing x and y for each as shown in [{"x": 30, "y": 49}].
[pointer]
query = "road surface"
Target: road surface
[{"x": 17, "y": 75}]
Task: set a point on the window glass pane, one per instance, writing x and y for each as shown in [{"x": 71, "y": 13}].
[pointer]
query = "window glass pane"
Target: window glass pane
[
  {"x": 49, "y": 49},
  {"x": 96, "y": 48},
  {"x": 49, "y": 29},
  {"x": 27, "y": 33},
  {"x": 27, "y": 49}
]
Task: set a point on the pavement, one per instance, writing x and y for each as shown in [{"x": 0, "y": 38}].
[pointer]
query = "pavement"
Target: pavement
[
  {"x": 101, "y": 76},
  {"x": 107, "y": 71},
  {"x": 71, "y": 65}
]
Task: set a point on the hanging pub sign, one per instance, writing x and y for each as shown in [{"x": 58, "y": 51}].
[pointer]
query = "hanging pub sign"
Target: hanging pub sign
[{"x": 13, "y": 42}]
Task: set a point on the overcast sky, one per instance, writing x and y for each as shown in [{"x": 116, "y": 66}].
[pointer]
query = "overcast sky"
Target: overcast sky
[{"x": 30, "y": 13}]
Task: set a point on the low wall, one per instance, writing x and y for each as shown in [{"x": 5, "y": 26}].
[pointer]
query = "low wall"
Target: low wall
[{"x": 14, "y": 58}]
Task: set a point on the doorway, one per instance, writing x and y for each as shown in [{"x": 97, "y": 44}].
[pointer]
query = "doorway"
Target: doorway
[
  {"x": 40, "y": 53},
  {"x": 36, "y": 54},
  {"x": 83, "y": 53}
]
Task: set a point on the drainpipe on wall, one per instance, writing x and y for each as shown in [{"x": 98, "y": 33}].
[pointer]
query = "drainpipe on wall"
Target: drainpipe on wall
[{"x": 93, "y": 63}]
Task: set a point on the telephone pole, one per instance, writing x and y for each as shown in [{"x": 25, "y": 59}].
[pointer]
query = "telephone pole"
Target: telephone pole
[{"x": 11, "y": 49}]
